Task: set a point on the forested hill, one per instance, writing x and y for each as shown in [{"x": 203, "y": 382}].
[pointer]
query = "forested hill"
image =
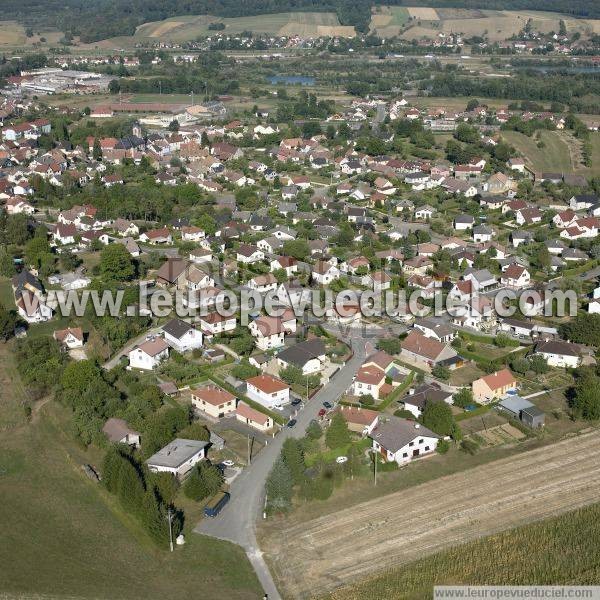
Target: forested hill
[{"x": 94, "y": 20}]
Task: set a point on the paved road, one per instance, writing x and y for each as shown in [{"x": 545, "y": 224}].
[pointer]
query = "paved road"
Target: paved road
[{"x": 237, "y": 521}]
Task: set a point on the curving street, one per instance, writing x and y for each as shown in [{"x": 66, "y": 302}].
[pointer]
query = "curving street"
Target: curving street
[{"x": 237, "y": 521}]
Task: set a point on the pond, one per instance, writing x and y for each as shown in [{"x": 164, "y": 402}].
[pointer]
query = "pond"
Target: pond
[{"x": 291, "y": 80}]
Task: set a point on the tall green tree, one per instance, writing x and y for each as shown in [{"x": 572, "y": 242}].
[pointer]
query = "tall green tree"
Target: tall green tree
[
  {"x": 116, "y": 263},
  {"x": 294, "y": 458},
  {"x": 337, "y": 434}
]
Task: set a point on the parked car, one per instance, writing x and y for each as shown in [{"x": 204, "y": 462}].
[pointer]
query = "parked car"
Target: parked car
[
  {"x": 215, "y": 504},
  {"x": 228, "y": 463},
  {"x": 322, "y": 412},
  {"x": 327, "y": 405},
  {"x": 296, "y": 401},
  {"x": 278, "y": 407},
  {"x": 291, "y": 423}
]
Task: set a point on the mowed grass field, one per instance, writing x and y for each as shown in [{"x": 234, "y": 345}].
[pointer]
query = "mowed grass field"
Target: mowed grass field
[
  {"x": 64, "y": 536},
  {"x": 289, "y": 23},
  {"x": 561, "y": 550},
  {"x": 12, "y": 34},
  {"x": 553, "y": 157}
]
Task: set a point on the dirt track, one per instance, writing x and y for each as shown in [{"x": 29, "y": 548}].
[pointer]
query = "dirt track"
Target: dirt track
[{"x": 324, "y": 553}]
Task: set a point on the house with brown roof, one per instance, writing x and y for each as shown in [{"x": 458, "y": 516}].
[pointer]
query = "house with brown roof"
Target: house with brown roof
[
  {"x": 268, "y": 331},
  {"x": 370, "y": 381},
  {"x": 421, "y": 349},
  {"x": 213, "y": 400},
  {"x": 493, "y": 386},
  {"x": 149, "y": 354},
  {"x": 72, "y": 337},
  {"x": 118, "y": 432},
  {"x": 253, "y": 418},
  {"x": 360, "y": 420},
  {"x": 157, "y": 236},
  {"x": 268, "y": 391}
]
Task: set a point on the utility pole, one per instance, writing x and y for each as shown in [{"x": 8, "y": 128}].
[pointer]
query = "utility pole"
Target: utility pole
[
  {"x": 375, "y": 457},
  {"x": 170, "y": 519},
  {"x": 160, "y": 88},
  {"x": 248, "y": 448},
  {"x": 192, "y": 97}
]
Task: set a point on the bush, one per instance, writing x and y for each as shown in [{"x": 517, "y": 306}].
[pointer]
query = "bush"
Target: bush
[
  {"x": 443, "y": 446},
  {"x": 469, "y": 446},
  {"x": 367, "y": 400},
  {"x": 204, "y": 481},
  {"x": 404, "y": 414},
  {"x": 463, "y": 397}
]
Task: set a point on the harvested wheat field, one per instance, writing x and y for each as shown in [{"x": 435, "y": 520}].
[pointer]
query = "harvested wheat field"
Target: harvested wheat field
[
  {"x": 314, "y": 557},
  {"x": 422, "y": 13}
]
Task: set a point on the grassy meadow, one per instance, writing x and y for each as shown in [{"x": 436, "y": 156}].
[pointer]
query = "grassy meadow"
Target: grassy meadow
[{"x": 64, "y": 535}]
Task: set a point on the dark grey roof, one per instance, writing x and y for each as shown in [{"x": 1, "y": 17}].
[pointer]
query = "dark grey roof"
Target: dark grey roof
[
  {"x": 396, "y": 433},
  {"x": 426, "y": 393},
  {"x": 301, "y": 353},
  {"x": 558, "y": 347},
  {"x": 177, "y": 328}
]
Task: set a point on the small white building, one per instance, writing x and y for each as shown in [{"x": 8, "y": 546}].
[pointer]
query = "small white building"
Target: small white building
[
  {"x": 253, "y": 418},
  {"x": 178, "y": 457},
  {"x": 149, "y": 355},
  {"x": 72, "y": 337}
]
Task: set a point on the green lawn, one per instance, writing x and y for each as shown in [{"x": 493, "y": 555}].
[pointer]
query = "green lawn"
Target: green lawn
[
  {"x": 63, "y": 535},
  {"x": 561, "y": 550},
  {"x": 7, "y": 298},
  {"x": 400, "y": 16},
  {"x": 553, "y": 157}
]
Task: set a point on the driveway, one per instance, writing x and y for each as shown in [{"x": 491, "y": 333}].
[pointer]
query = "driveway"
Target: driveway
[
  {"x": 237, "y": 521},
  {"x": 124, "y": 351}
]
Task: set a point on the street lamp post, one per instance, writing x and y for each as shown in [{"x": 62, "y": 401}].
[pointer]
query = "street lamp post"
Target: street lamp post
[{"x": 170, "y": 519}]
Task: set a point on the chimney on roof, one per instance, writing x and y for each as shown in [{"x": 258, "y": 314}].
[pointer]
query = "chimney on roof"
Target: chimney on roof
[{"x": 417, "y": 425}]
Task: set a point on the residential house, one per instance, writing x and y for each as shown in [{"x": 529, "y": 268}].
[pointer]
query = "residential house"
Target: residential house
[
  {"x": 248, "y": 254},
  {"x": 515, "y": 276},
  {"x": 421, "y": 349},
  {"x": 308, "y": 356},
  {"x": 118, "y": 432},
  {"x": 149, "y": 354},
  {"x": 417, "y": 398},
  {"x": 178, "y": 457},
  {"x": 401, "y": 440},
  {"x": 268, "y": 331},
  {"x": 32, "y": 308},
  {"x": 268, "y": 391},
  {"x": 558, "y": 353},
  {"x": 493, "y": 386},
  {"x": 436, "y": 329},
  {"x": 72, "y": 337},
  {"x": 324, "y": 273},
  {"x": 214, "y": 324},
  {"x": 213, "y": 400},
  {"x": 359, "y": 420},
  {"x": 181, "y": 335}
]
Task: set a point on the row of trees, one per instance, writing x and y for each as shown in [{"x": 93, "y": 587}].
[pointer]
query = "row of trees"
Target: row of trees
[{"x": 140, "y": 495}]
